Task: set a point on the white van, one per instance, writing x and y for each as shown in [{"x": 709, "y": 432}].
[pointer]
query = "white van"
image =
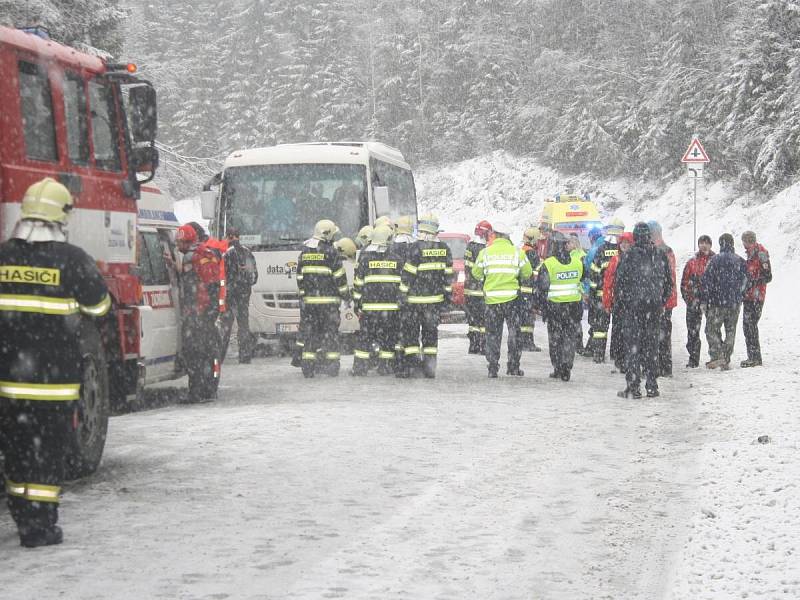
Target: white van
[{"x": 275, "y": 195}]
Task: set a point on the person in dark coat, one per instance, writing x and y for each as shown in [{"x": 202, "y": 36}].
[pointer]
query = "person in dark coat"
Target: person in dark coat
[
  {"x": 722, "y": 291},
  {"x": 241, "y": 275},
  {"x": 642, "y": 285}
]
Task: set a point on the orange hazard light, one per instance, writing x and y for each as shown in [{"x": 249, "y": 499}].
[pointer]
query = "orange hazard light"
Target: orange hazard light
[{"x": 131, "y": 67}]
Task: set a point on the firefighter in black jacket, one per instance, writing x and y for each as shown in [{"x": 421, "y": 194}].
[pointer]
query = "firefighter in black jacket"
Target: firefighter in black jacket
[
  {"x": 473, "y": 291},
  {"x": 426, "y": 287},
  {"x": 46, "y": 285},
  {"x": 376, "y": 291},
  {"x": 400, "y": 246},
  {"x": 322, "y": 284},
  {"x": 597, "y": 271}
]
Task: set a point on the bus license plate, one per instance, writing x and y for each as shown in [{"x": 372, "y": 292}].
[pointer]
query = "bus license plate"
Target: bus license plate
[{"x": 288, "y": 327}]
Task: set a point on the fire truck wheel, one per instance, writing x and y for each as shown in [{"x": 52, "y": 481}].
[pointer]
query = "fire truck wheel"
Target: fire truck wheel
[{"x": 87, "y": 436}]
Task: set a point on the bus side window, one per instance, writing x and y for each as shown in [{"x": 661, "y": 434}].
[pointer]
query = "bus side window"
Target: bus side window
[
  {"x": 77, "y": 119},
  {"x": 159, "y": 274},
  {"x": 104, "y": 127},
  {"x": 143, "y": 261},
  {"x": 37, "y": 112}
]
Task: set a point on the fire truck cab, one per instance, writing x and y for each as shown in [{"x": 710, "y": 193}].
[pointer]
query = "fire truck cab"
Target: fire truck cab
[{"x": 91, "y": 125}]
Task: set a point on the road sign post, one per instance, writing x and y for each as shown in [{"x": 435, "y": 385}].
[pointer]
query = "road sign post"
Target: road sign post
[{"x": 695, "y": 158}]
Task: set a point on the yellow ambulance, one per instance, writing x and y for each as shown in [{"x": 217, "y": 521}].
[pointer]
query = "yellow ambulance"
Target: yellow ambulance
[{"x": 571, "y": 214}]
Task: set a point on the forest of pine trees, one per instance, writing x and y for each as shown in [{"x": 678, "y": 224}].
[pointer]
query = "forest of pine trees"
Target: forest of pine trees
[{"x": 613, "y": 87}]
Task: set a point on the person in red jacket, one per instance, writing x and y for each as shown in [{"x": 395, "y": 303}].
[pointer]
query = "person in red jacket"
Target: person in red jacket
[
  {"x": 616, "y": 349},
  {"x": 200, "y": 289},
  {"x": 219, "y": 247},
  {"x": 690, "y": 292},
  {"x": 665, "y": 335},
  {"x": 759, "y": 274}
]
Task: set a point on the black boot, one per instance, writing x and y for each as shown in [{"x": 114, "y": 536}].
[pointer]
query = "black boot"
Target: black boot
[
  {"x": 634, "y": 393},
  {"x": 565, "y": 374},
  {"x": 493, "y": 371},
  {"x": 429, "y": 366},
  {"x": 41, "y": 537},
  {"x": 516, "y": 371}
]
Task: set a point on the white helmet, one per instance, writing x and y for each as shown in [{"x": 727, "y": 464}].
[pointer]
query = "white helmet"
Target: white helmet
[{"x": 325, "y": 230}]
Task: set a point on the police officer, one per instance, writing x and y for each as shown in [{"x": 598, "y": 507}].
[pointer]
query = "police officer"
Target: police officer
[
  {"x": 473, "y": 291},
  {"x": 322, "y": 286},
  {"x": 241, "y": 275},
  {"x": 46, "y": 285},
  {"x": 527, "y": 318},
  {"x": 501, "y": 267},
  {"x": 559, "y": 284},
  {"x": 426, "y": 287},
  {"x": 200, "y": 290},
  {"x": 597, "y": 270},
  {"x": 376, "y": 291}
]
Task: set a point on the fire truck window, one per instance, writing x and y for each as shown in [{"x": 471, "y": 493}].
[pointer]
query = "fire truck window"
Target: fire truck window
[
  {"x": 77, "y": 123},
  {"x": 156, "y": 272},
  {"x": 104, "y": 127},
  {"x": 37, "y": 112}
]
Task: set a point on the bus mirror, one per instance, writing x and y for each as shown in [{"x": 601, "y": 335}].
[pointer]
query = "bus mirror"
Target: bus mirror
[
  {"x": 143, "y": 114},
  {"x": 208, "y": 201},
  {"x": 381, "y": 196}
]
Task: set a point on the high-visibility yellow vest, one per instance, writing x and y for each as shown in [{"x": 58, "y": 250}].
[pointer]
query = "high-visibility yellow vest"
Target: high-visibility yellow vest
[
  {"x": 501, "y": 266},
  {"x": 565, "y": 280}
]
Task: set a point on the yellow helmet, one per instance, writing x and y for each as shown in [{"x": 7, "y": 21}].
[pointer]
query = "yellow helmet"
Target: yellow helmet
[
  {"x": 532, "y": 235},
  {"x": 347, "y": 247},
  {"x": 364, "y": 236},
  {"x": 47, "y": 200},
  {"x": 405, "y": 224},
  {"x": 382, "y": 235},
  {"x": 428, "y": 223},
  {"x": 384, "y": 220},
  {"x": 615, "y": 227},
  {"x": 325, "y": 230}
]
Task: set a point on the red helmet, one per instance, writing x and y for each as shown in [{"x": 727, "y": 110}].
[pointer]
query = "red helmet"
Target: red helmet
[
  {"x": 186, "y": 233},
  {"x": 483, "y": 229}
]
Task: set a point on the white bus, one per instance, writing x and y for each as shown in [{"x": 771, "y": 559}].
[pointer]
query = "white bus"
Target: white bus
[{"x": 275, "y": 195}]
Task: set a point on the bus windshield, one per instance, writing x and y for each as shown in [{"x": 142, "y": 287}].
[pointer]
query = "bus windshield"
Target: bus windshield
[
  {"x": 277, "y": 205},
  {"x": 580, "y": 228}
]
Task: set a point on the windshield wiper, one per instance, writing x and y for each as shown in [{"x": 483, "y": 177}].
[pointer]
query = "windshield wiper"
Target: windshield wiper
[{"x": 291, "y": 239}]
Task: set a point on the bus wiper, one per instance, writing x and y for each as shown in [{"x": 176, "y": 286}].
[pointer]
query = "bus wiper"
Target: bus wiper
[{"x": 291, "y": 239}]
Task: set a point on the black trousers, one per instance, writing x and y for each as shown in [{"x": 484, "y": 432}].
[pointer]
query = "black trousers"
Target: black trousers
[
  {"x": 750, "y": 316},
  {"x": 238, "y": 309},
  {"x": 694, "y": 322},
  {"x": 377, "y": 338},
  {"x": 563, "y": 319},
  {"x": 665, "y": 344},
  {"x": 616, "y": 349},
  {"x": 33, "y": 435},
  {"x": 496, "y": 315},
  {"x": 419, "y": 330},
  {"x": 319, "y": 327},
  {"x": 201, "y": 352},
  {"x": 592, "y": 307},
  {"x": 527, "y": 322},
  {"x": 642, "y": 325},
  {"x": 475, "y": 310},
  {"x": 602, "y": 321}
]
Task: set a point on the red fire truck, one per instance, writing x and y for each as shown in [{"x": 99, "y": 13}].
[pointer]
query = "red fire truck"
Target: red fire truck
[{"x": 91, "y": 124}]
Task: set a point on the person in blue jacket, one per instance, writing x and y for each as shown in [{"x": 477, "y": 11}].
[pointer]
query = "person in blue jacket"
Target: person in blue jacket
[{"x": 597, "y": 240}]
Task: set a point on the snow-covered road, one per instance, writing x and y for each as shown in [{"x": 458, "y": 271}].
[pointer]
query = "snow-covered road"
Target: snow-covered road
[{"x": 461, "y": 487}]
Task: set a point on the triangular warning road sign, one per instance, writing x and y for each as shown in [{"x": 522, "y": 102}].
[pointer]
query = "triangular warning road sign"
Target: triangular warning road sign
[{"x": 695, "y": 153}]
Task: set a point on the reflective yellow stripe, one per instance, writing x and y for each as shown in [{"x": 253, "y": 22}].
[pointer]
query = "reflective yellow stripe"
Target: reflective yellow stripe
[
  {"x": 430, "y": 350},
  {"x": 339, "y": 273},
  {"x": 468, "y": 292},
  {"x": 321, "y": 300},
  {"x": 333, "y": 355},
  {"x": 410, "y": 268},
  {"x": 36, "y": 492},
  {"x": 501, "y": 271},
  {"x": 432, "y": 266},
  {"x": 386, "y": 355},
  {"x": 309, "y": 356},
  {"x": 448, "y": 288},
  {"x": 448, "y": 270},
  {"x": 38, "y": 304},
  {"x": 299, "y": 343},
  {"x": 382, "y": 279},
  {"x": 380, "y": 306},
  {"x": 101, "y": 308},
  {"x": 357, "y": 295},
  {"x": 526, "y": 289},
  {"x": 311, "y": 269},
  {"x": 473, "y": 329},
  {"x": 299, "y": 277},
  {"x": 501, "y": 293},
  {"x": 599, "y": 335},
  {"x": 403, "y": 288},
  {"x": 412, "y": 350},
  {"x": 425, "y": 299},
  {"x": 40, "y": 391},
  {"x": 358, "y": 281},
  {"x": 526, "y": 329},
  {"x": 595, "y": 268},
  {"x": 361, "y": 354},
  {"x": 343, "y": 289}
]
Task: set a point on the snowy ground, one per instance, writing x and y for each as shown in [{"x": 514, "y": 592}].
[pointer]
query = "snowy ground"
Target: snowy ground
[{"x": 460, "y": 487}]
